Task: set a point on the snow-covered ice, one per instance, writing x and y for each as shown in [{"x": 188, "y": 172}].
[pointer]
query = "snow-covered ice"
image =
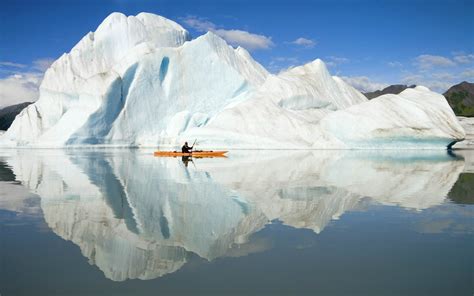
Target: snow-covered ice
[
  {"x": 415, "y": 118},
  {"x": 141, "y": 81},
  {"x": 468, "y": 125}
]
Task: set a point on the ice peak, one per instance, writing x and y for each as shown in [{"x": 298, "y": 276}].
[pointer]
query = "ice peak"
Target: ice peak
[
  {"x": 422, "y": 88},
  {"x": 147, "y": 19},
  {"x": 144, "y": 27},
  {"x": 213, "y": 37},
  {"x": 239, "y": 58},
  {"x": 216, "y": 42},
  {"x": 316, "y": 67},
  {"x": 154, "y": 20},
  {"x": 243, "y": 52},
  {"x": 113, "y": 18}
]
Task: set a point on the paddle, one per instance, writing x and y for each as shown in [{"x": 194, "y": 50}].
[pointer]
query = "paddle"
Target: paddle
[
  {"x": 194, "y": 164},
  {"x": 194, "y": 143}
]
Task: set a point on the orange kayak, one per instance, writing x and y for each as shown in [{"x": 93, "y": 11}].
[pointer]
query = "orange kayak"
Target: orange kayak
[{"x": 192, "y": 154}]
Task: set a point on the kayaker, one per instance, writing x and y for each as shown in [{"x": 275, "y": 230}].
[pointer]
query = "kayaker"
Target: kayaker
[{"x": 186, "y": 148}]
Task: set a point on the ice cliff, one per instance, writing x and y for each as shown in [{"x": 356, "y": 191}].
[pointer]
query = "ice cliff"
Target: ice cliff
[{"x": 141, "y": 81}]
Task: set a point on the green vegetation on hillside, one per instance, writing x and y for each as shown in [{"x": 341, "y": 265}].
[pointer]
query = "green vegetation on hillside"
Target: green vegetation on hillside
[
  {"x": 456, "y": 101},
  {"x": 463, "y": 190}
]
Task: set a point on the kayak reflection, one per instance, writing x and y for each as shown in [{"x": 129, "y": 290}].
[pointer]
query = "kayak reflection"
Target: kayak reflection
[{"x": 186, "y": 160}]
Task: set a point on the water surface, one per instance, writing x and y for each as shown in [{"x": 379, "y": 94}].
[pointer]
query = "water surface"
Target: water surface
[{"x": 122, "y": 222}]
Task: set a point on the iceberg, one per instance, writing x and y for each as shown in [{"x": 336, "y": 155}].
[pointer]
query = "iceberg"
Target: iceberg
[
  {"x": 142, "y": 81},
  {"x": 468, "y": 125},
  {"x": 416, "y": 118}
]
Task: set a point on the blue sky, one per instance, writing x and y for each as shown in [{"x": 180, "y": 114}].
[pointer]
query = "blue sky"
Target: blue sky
[{"x": 370, "y": 43}]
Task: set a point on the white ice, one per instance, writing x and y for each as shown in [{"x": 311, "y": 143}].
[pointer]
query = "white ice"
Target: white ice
[{"x": 141, "y": 81}]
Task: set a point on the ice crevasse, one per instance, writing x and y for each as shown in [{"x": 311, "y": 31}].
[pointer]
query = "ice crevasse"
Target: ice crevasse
[{"x": 141, "y": 81}]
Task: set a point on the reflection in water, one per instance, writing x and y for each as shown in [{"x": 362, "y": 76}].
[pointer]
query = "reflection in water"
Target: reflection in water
[
  {"x": 137, "y": 216},
  {"x": 186, "y": 160},
  {"x": 6, "y": 174},
  {"x": 463, "y": 190}
]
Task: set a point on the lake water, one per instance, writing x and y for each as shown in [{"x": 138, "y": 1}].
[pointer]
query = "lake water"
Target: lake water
[{"x": 122, "y": 222}]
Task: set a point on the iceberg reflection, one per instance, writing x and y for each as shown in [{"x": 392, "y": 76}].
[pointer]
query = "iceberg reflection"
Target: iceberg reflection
[{"x": 137, "y": 216}]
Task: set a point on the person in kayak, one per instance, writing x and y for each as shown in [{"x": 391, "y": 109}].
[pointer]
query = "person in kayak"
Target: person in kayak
[{"x": 186, "y": 148}]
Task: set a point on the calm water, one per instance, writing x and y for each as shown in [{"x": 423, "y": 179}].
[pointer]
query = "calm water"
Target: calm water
[{"x": 122, "y": 222}]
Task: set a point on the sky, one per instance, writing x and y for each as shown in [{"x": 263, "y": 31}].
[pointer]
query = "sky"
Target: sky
[{"x": 371, "y": 44}]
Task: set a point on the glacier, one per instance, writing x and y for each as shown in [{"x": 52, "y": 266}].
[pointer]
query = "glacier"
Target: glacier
[{"x": 142, "y": 81}]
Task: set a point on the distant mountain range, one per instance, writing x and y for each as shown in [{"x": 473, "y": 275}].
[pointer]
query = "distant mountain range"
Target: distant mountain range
[
  {"x": 392, "y": 89},
  {"x": 460, "y": 96},
  {"x": 8, "y": 114}
]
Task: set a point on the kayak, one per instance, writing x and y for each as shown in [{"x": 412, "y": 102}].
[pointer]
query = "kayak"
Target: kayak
[{"x": 208, "y": 153}]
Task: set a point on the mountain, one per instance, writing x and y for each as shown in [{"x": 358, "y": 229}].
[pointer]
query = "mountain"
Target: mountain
[
  {"x": 392, "y": 89},
  {"x": 8, "y": 114},
  {"x": 461, "y": 98},
  {"x": 141, "y": 81}
]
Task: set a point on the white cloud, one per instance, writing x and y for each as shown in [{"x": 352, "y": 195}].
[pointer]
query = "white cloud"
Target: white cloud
[
  {"x": 426, "y": 61},
  {"x": 332, "y": 61},
  {"x": 19, "y": 88},
  {"x": 464, "y": 58},
  {"x": 439, "y": 73},
  {"x": 234, "y": 37},
  {"x": 395, "y": 64},
  {"x": 434, "y": 82},
  {"x": 199, "y": 24},
  {"x": 444, "y": 76},
  {"x": 308, "y": 43},
  {"x": 245, "y": 39},
  {"x": 42, "y": 64},
  {"x": 438, "y": 85},
  {"x": 12, "y": 65},
  {"x": 364, "y": 84},
  {"x": 468, "y": 74},
  {"x": 22, "y": 84},
  {"x": 286, "y": 59},
  {"x": 278, "y": 64},
  {"x": 412, "y": 79}
]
